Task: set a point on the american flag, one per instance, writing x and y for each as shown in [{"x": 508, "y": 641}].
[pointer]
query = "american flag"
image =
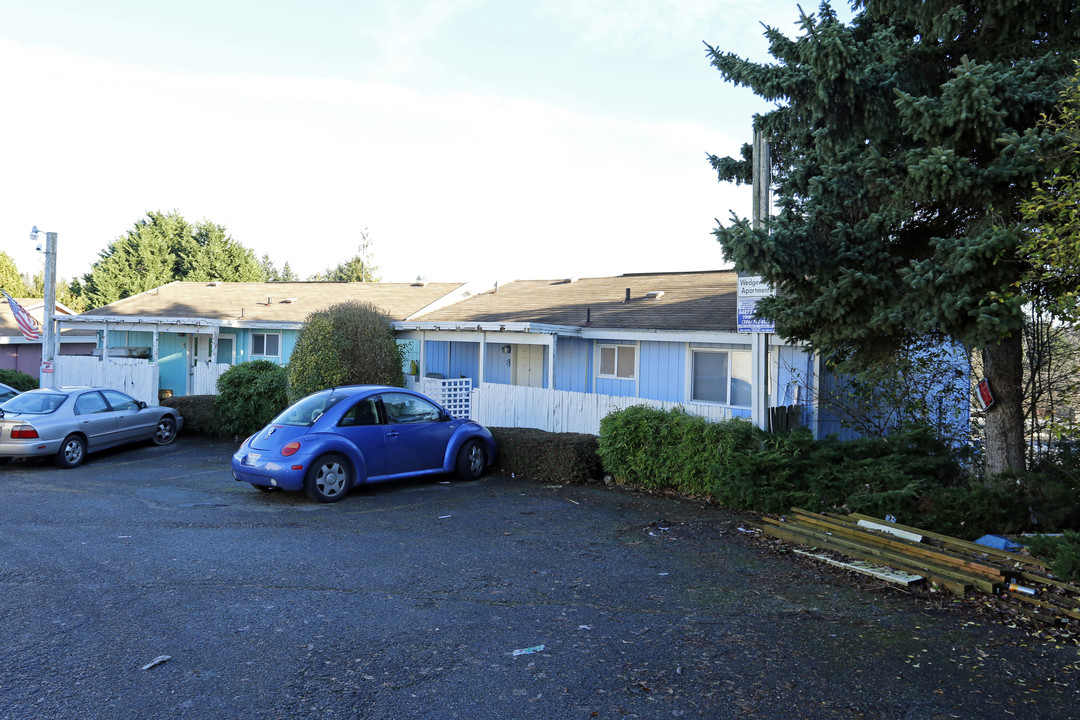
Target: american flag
[{"x": 29, "y": 326}]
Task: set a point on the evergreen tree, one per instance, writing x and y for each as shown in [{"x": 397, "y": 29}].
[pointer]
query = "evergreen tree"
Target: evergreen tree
[
  {"x": 903, "y": 143},
  {"x": 162, "y": 248},
  {"x": 272, "y": 274}
]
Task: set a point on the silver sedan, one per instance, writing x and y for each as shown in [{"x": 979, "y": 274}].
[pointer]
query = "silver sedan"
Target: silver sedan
[{"x": 69, "y": 422}]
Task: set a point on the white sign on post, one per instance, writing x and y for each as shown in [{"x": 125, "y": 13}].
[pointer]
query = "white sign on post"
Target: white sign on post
[{"x": 751, "y": 289}]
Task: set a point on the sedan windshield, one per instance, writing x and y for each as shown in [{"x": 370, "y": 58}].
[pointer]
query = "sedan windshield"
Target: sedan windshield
[
  {"x": 305, "y": 412},
  {"x": 32, "y": 403}
]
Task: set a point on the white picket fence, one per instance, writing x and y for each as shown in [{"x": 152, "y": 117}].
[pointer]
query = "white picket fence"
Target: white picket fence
[
  {"x": 137, "y": 378},
  {"x": 204, "y": 377},
  {"x": 564, "y": 411}
]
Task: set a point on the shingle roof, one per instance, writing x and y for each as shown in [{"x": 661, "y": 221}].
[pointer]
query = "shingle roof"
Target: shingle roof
[
  {"x": 690, "y": 301},
  {"x": 36, "y": 308},
  {"x": 273, "y": 302}
]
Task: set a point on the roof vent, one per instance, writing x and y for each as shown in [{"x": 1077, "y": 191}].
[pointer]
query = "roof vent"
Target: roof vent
[
  {"x": 212, "y": 283},
  {"x": 293, "y": 300},
  {"x": 655, "y": 294}
]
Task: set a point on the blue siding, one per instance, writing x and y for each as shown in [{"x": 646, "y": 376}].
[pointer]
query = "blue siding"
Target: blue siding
[
  {"x": 464, "y": 361},
  {"x": 611, "y": 386},
  {"x": 497, "y": 365},
  {"x": 572, "y": 367},
  {"x": 172, "y": 363},
  {"x": 662, "y": 370},
  {"x": 437, "y": 357}
]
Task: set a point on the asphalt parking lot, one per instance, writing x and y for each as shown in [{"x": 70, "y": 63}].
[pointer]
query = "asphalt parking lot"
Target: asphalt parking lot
[{"x": 501, "y": 598}]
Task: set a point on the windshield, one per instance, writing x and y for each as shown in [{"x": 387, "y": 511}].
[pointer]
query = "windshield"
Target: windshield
[
  {"x": 305, "y": 412},
  {"x": 32, "y": 403}
]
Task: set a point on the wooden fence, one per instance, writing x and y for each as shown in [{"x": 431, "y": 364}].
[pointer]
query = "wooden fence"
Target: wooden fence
[
  {"x": 137, "y": 378},
  {"x": 204, "y": 377},
  {"x": 563, "y": 411}
]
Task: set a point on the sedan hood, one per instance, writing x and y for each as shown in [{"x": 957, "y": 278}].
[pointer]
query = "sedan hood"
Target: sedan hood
[{"x": 273, "y": 437}]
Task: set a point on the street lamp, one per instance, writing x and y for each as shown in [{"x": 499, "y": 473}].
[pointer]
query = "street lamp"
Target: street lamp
[{"x": 48, "y": 342}]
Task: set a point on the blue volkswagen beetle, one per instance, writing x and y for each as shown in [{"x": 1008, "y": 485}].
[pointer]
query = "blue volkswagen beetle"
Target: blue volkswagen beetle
[{"x": 334, "y": 439}]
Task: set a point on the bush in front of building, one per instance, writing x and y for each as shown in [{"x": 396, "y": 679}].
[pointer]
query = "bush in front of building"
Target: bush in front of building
[
  {"x": 250, "y": 395},
  {"x": 669, "y": 450},
  {"x": 18, "y": 380},
  {"x": 200, "y": 417},
  {"x": 553, "y": 457},
  {"x": 350, "y": 343}
]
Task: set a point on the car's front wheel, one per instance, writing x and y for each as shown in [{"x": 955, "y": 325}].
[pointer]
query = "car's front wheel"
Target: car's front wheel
[
  {"x": 471, "y": 461},
  {"x": 165, "y": 432},
  {"x": 328, "y": 479},
  {"x": 71, "y": 452}
]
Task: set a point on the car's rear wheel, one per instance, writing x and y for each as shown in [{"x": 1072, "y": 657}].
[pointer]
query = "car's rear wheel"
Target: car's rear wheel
[
  {"x": 328, "y": 479},
  {"x": 165, "y": 432},
  {"x": 72, "y": 452},
  {"x": 471, "y": 461}
]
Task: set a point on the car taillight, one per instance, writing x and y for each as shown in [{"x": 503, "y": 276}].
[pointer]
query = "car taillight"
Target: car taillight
[
  {"x": 290, "y": 449},
  {"x": 23, "y": 432}
]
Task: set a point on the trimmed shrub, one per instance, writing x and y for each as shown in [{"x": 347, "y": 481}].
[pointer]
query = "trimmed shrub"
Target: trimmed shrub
[
  {"x": 18, "y": 380},
  {"x": 250, "y": 395},
  {"x": 659, "y": 449},
  {"x": 198, "y": 412},
  {"x": 350, "y": 343},
  {"x": 555, "y": 457}
]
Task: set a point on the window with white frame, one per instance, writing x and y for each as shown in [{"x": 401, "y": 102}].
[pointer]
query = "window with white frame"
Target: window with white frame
[
  {"x": 265, "y": 345},
  {"x": 618, "y": 361},
  {"x": 721, "y": 376}
]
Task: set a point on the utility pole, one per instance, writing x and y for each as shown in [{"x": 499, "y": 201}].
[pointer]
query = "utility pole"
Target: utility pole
[
  {"x": 47, "y": 374},
  {"x": 751, "y": 288}
]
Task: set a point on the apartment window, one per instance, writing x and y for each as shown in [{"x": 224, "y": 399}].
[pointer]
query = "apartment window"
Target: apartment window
[
  {"x": 721, "y": 376},
  {"x": 618, "y": 361},
  {"x": 265, "y": 345}
]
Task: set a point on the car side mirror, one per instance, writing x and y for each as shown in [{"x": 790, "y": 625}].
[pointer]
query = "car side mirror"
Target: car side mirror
[{"x": 142, "y": 405}]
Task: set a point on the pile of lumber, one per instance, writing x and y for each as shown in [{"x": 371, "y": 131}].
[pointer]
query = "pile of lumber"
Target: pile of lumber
[{"x": 919, "y": 556}]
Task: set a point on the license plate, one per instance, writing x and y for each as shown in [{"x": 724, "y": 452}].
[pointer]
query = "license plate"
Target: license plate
[{"x": 251, "y": 458}]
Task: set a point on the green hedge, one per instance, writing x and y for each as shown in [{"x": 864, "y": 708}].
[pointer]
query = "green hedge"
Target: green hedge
[
  {"x": 250, "y": 395},
  {"x": 554, "y": 457},
  {"x": 18, "y": 380},
  {"x": 655, "y": 449},
  {"x": 911, "y": 475},
  {"x": 199, "y": 415}
]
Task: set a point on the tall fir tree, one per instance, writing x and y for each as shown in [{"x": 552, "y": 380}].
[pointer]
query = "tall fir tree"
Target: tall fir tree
[
  {"x": 903, "y": 143},
  {"x": 162, "y": 248}
]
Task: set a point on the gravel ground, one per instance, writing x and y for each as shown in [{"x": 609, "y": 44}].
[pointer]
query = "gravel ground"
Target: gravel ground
[{"x": 502, "y": 598}]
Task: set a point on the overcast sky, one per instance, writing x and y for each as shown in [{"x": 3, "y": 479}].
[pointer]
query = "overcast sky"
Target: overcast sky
[{"x": 476, "y": 140}]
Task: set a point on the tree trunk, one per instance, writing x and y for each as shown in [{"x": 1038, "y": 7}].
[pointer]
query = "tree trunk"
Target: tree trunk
[{"x": 1003, "y": 367}]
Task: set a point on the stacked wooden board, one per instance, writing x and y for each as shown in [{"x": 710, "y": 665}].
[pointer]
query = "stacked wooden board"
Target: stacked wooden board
[{"x": 951, "y": 563}]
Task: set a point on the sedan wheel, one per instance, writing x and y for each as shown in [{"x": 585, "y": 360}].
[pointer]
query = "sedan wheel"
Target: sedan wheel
[
  {"x": 472, "y": 461},
  {"x": 328, "y": 479},
  {"x": 166, "y": 431},
  {"x": 71, "y": 452}
]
